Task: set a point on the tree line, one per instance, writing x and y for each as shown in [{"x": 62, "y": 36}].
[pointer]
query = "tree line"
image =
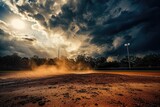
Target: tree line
[{"x": 81, "y": 62}]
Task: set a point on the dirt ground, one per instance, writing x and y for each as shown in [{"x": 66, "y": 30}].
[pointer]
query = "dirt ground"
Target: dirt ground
[{"x": 95, "y": 89}]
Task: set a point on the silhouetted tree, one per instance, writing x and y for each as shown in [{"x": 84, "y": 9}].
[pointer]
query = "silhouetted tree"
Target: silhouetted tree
[
  {"x": 82, "y": 62},
  {"x": 151, "y": 60},
  {"x": 50, "y": 62},
  {"x": 25, "y": 63}
]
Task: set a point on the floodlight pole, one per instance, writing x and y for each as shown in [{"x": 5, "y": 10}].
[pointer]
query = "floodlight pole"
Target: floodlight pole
[
  {"x": 58, "y": 52},
  {"x": 127, "y": 46}
]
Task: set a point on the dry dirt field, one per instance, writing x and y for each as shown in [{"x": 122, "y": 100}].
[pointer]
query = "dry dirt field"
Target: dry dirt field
[{"x": 94, "y": 89}]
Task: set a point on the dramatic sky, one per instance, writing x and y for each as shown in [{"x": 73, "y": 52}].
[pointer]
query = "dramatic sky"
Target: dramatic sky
[{"x": 91, "y": 27}]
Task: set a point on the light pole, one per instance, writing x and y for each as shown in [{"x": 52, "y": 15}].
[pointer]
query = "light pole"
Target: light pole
[
  {"x": 58, "y": 52},
  {"x": 127, "y": 45}
]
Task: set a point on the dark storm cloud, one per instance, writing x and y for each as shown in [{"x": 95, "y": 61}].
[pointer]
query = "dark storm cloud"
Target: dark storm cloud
[
  {"x": 2, "y": 32},
  {"x": 41, "y": 19},
  {"x": 4, "y": 42},
  {"x": 10, "y": 44},
  {"x": 108, "y": 22},
  {"x": 4, "y": 10},
  {"x": 147, "y": 16},
  {"x": 79, "y": 12},
  {"x": 25, "y": 8},
  {"x": 125, "y": 22},
  {"x": 30, "y": 39}
]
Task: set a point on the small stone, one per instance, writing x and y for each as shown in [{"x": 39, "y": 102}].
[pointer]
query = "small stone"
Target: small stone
[{"x": 96, "y": 104}]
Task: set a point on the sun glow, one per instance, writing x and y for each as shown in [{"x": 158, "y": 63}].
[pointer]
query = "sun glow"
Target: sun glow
[{"x": 18, "y": 24}]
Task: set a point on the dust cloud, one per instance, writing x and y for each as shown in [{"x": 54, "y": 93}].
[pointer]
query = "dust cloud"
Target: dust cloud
[{"x": 61, "y": 68}]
